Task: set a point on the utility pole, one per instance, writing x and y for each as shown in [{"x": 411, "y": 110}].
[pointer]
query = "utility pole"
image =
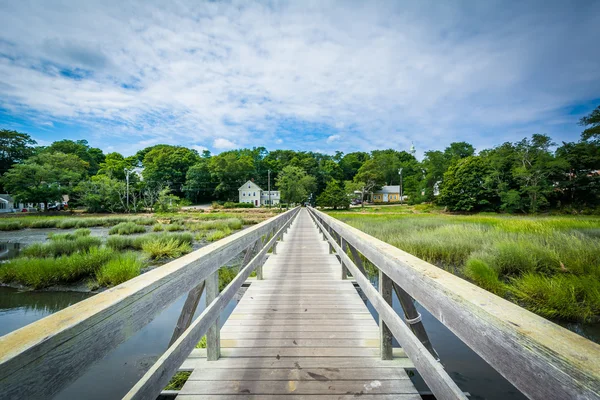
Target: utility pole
[
  {"x": 127, "y": 172},
  {"x": 269, "y": 172},
  {"x": 401, "y": 191}
]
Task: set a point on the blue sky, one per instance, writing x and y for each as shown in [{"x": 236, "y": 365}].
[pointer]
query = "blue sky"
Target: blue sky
[{"x": 306, "y": 75}]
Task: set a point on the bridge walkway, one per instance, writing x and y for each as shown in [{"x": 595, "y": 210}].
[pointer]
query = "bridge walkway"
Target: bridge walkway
[{"x": 301, "y": 333}]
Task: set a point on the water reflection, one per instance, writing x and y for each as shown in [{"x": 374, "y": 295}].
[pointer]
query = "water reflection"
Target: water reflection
[{"x": 9, "y": 250}]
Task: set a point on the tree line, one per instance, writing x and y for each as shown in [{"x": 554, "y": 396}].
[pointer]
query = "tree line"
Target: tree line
[{"x": 528, "y": 176}]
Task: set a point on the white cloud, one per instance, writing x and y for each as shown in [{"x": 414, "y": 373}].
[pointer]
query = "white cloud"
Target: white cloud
[
  {"x": 387, "y": 73},
  {"x": 278, "y": 141},
  {"x": 198, "y": 148},
  {"x": 333, "y": 138},
  {"x": 224, "y": 144}
]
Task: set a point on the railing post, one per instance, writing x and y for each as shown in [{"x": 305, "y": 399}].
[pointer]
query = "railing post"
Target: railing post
[
  {"x": 345, "y": 250},
  {"x": 213, "y": 336},
  {"x": 385, "y": 335}
]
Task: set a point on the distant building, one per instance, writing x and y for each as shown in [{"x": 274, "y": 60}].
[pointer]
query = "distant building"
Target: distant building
[
  {"x": 387, "y": 194},
  {"x": 250, "y": 192},
  {"x": 7, "y": 203}
]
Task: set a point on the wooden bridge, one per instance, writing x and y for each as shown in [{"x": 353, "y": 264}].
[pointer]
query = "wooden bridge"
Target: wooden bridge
[{"x": 301, "y": 330}]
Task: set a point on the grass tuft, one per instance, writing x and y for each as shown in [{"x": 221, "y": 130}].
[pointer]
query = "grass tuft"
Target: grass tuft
[
  {"x": 120, "y": 269},
  {"x": 157, "y": 248},
  {"x": 61, "y": 246},
  {"x": 126, "y": 228}
]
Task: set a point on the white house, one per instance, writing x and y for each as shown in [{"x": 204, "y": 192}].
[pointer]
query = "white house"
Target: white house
[
  {"x": 250, "y": 192},
  {"x": 7, "y": 204}
]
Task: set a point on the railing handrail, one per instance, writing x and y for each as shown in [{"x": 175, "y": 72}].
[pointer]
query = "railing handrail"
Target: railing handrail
[
  {"x": 158, "y": 376},
  {"x": 540, "y": 358},
  {"x": 45, "y": 356},
  {"x": 433, "y": 373}
]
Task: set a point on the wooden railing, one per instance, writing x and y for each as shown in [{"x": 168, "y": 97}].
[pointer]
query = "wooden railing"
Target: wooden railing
[
  {"x": 540, "y": 358},
  {"x": 42, "y": 358}
]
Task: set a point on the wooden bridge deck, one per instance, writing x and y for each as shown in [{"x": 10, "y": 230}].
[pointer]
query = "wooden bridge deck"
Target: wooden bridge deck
[{"x": 302, "y": 332}]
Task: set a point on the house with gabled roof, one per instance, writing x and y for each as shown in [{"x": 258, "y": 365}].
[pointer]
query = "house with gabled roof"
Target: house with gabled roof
[{"x": 250, "y": 192}]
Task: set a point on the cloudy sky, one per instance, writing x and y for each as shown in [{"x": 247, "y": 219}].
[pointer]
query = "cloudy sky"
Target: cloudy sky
[{"x": 308, "y": 75}]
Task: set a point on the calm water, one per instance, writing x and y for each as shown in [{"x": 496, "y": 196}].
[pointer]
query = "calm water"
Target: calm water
[{"x": 114, "y": 375}]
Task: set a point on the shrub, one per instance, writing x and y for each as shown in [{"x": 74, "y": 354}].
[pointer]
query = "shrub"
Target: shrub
[
  {"x": 61, "y": 246},
  {"x": 11, "y": 226},
  {"x": 567, "y": 297},
  {"x": 43, "y": 272},
  {"x": 230, "y": 204},
  {"x": 120, "y": 269},
  {"x": 165, "y": 248},
  {"x": 126, "y": 228},
  {"x": 178, "y": 380}
]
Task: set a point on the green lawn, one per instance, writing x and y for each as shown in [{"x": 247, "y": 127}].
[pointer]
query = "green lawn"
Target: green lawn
[{"x": 548, "y": 264}]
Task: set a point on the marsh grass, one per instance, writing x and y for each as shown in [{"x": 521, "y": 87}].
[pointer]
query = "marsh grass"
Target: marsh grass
[
  {"x": 174, "y": 227},
  {"x": 70, "y": 236},
  {"x": 11, "y": 226},
  {"x": 119, "y": 269},
  {"x": 43, "y": 272},
  {"x": 126, "y": 228},
  {"x": 135, "y": 243},
  {"x": 515, "y": 257},
  {"x": 61, "y": 246},
  {"x": 178, "y": 380},
  {"x": 164, "y": 247},
  {"x": 221, "y": 224},
  {"x": 158, "y": 228},
  {"x": 226, "y": 275},
  {"x": 144, "y": 221},
  {"x": 218, "y": 234}
]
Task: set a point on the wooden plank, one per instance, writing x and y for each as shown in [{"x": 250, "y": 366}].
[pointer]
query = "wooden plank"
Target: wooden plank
[
  {"x": 396, "y": 396},
  {"x": 293, "y": 334},
  {"x": 192, "y": 363},
  {"x": 300, "y": 352},
  {"x": 258, "y": 317},
  {"x": 213, "y": 339},
  {"x": 187, "y": 312},
  {"x": 525, "y": 348},
  {"x": 41, "y": 358},
  {"x": 292, "y": 322},
  {"x": 296, "y": 342},
  {"x": 396, "y": 386},
  {"x": 299, "y": 328},
  {"x": 385, "y": 335},
  {"x": 297, "y": 374}
]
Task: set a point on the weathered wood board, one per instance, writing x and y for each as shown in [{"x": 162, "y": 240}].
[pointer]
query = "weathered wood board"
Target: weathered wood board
[{"x": 301, "y": 333}]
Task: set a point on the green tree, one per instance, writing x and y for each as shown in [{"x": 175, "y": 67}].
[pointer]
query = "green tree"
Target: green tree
[
  {"x": 295, "y": 185},
  {"x": 115, "y": 164},
  {"x": 91, "y": 155},
  {"x": 464, "y": 187},
  {"x": 102, "y": 193},
  {"x": 369, "y": 177},
  {"x": 334, "y": 196},
  {"x": 350, "y": 164},
  {"x": 45, "y": 177},
  {"x": 199, "y": 182},
  {"x": 593, "y": 121},
  {"x": 581, "y": 185},
  {"x": 537, "y": 169},
  {"x": 168, "y": 165},
  {"x": 230, "y": 170},
  {"x": 15, "y": 147}
]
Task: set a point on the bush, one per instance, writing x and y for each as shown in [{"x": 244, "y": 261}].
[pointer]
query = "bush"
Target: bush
[
  {"x": 120, "y": 269},
  {"x": 230, "y": 204},
  {"x": 126, "y": 228},
  {"x": 43, "y": 272},
  {"x": 61, "y": 246}
]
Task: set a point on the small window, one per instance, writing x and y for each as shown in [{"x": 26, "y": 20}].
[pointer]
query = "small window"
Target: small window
[
  {"x": 243, "y": 193},
  {"x": 248, "y": 186},
  {"x": 254, "y": 194}
]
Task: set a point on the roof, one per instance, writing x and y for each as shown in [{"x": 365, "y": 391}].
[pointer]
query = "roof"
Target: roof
[
  {"x": 389, "y": 189},
  {"x": 245, "y": 185},
  {"x": 7, "y": 198}
]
